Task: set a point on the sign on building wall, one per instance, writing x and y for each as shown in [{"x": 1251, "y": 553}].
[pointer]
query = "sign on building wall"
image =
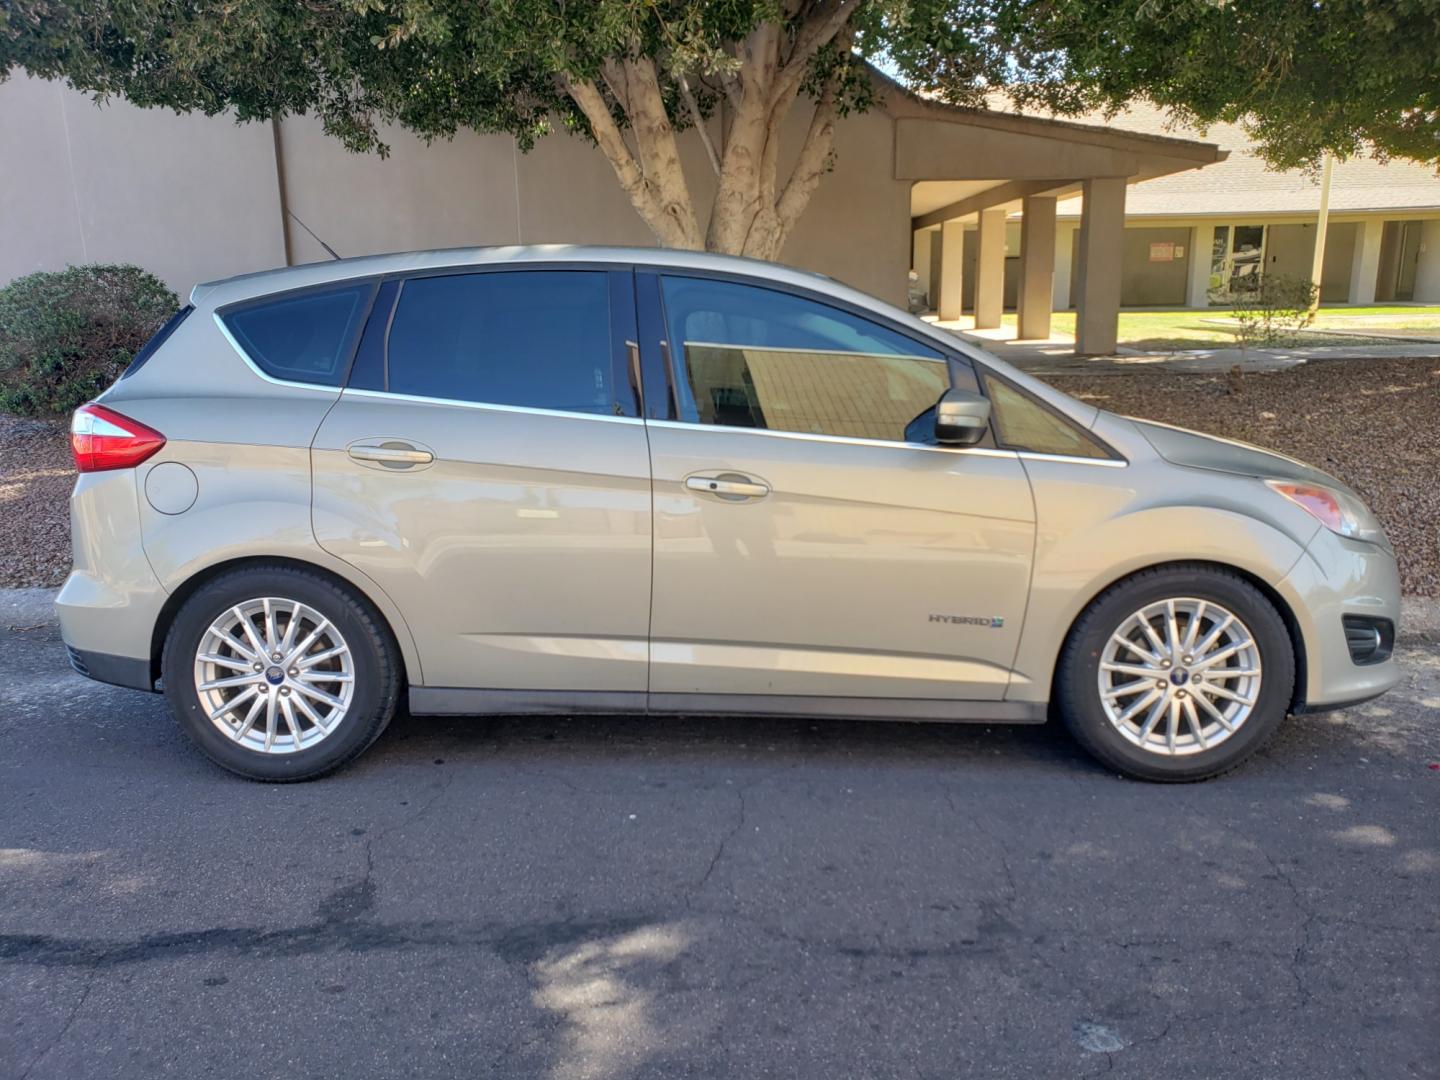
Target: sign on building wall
[{"x": 1163, "y": 251}]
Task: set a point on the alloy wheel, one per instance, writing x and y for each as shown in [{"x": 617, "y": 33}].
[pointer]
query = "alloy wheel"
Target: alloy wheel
[
  {"x": 274, "y": 675},
  {"x": 1179, "y": 676}
]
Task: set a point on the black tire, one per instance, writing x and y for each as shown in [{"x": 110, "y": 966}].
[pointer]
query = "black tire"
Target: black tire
[
  {"x": 1077, "y": 692},
  {"x": 375, "y": 658}
]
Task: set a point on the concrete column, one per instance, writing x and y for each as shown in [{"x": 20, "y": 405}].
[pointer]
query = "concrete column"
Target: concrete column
[
  {"x": 1365, "y": 263},
  {"x": 1427, "y": 271},
  {"x": 1064, "y": 258},
  {"x": 1037, "y": 266},
  {"x": 920, "y": 259},
  {"x": 952, "y": 269},
  {"x": 1097, "y": 294},
  {"x": 1202, "y": 244},
  {"x": 990, "y": 270}
]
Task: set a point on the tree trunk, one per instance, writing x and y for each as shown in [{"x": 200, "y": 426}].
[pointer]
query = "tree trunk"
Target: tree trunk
[{"x": 752, "y": 213}]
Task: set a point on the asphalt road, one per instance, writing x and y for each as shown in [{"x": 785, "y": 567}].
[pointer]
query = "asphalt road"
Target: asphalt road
[{"x": 636, "y": 898}]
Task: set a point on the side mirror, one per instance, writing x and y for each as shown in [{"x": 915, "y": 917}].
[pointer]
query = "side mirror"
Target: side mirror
[{"x": 961, "y": 418}]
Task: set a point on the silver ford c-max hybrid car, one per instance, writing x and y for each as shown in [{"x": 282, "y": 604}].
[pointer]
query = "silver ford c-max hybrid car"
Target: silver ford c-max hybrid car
[{"x": 603, "y": 480}]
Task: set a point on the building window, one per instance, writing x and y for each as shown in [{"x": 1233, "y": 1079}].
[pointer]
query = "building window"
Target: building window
[{"x": 1237, "y": 261}]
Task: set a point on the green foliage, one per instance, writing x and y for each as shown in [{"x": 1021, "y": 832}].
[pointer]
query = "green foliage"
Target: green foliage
[
  {"x": 434, "y": 66},
  {"x": 1303, "y": 76},
  {"x": 66, "y": 336},
  {"x": 1274, "y": 312}
]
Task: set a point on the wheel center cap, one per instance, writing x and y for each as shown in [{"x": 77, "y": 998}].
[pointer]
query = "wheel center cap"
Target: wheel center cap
[
  {"x": 274, "y": 676},
  {"x": 1179, "y": 676}
]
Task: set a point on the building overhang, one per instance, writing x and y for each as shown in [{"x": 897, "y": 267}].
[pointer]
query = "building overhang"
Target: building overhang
[{"x": 988, "y": 159}]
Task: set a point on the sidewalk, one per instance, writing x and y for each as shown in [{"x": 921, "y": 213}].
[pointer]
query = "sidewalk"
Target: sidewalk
[{"x": 1055, "y": 355}]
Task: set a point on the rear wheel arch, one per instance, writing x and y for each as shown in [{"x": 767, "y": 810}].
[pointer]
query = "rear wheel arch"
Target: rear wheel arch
[{"x": 385, "y": 613}]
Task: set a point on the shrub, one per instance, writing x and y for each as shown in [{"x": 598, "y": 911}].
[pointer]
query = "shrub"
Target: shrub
[
  {"x": 66, "y": 336},
  {"x": 1274, "y": 312}
]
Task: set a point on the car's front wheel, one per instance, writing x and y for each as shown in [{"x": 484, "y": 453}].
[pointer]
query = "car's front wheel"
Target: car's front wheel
[
  {"x": 1176, "y": 674},
  {"x": 279, "y": 673}
]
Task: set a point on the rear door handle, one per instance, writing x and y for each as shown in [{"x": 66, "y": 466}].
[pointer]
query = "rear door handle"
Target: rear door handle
[
  {"x": 395, "y": 454},
  {"x": 733, "y": 487}
]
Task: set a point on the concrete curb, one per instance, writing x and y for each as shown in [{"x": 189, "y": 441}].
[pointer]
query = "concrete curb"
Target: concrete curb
[{"x": 1419, "y": 615}]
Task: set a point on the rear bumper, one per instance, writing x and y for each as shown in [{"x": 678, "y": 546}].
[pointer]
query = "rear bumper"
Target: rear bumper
[
  {"x": 1338, "y": 577},
  {"x": 111, "y": 602},
  {"x": 115, "y": 670}
]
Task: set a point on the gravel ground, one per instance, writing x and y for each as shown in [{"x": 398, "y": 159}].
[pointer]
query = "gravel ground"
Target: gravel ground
[
  {"x": 36, "y": 474},
  {"x": 1373, "y": 423}
]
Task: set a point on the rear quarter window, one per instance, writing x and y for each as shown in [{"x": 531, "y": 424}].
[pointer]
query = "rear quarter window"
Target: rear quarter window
[
  {"x": 304, "y": 337},
  {"x": 150, "y": 347}
]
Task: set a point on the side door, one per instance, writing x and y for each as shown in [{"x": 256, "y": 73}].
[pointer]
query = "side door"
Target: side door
[
  {"x": 811, "y": 540},
  {"x": 487, "y": 466}
]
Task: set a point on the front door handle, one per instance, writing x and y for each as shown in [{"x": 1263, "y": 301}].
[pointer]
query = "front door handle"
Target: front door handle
[
  {"x": 733, "y": 487},
  {"x": 397, "y": 455}
]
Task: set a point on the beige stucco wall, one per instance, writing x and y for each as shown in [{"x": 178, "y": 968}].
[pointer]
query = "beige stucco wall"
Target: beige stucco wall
[
  {"x": 476, "y": 189},
  {"x": 187, "y": 197},
  {"x": 1145, "y": 283},
  {"x": 193, "y": 198}
]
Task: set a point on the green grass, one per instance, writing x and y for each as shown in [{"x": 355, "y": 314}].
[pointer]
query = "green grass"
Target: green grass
[{"x": 1166, "y": 330}]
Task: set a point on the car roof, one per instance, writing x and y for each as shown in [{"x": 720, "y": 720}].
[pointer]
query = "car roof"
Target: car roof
[{"x": 265, "y": 282}]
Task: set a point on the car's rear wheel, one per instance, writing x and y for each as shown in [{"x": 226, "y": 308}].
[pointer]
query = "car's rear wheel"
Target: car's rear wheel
[
  {"x": 1176, "y": 674},
  {"x": 279, "y": 673}
]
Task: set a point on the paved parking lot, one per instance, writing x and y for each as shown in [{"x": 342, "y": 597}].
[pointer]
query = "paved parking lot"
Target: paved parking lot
[{"x": 647, "y": 898}]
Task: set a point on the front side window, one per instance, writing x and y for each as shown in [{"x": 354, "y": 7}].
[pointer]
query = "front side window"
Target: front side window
[
  {"x": 747, "y": 356},
  {"x": 536, "y": 338},
  {"x": 1022, "y": 423},
  {"x": 305, "y": 337}
]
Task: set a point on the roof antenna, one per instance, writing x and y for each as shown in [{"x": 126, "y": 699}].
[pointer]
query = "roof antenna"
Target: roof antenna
[{"x": 311, "y": 231}]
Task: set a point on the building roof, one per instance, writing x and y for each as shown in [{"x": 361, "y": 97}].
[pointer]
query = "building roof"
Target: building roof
[{"x": 1244, "y": 184}]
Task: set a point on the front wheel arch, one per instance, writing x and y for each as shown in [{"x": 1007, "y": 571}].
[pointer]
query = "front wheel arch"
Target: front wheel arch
[{"x": 1292, "y": 625}]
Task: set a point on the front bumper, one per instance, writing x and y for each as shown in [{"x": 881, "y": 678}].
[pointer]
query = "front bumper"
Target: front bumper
[{"x": 1334, "y": 578}]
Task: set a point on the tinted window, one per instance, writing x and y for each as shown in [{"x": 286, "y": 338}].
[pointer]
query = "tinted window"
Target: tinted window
[
  {"x": 306, "y": 337},
  {"x": 1022, "y": 423},
  {"x": 748, "y": 356},
  {"x": 148, "y": 349},
  {"x": 536, "y": 338}
]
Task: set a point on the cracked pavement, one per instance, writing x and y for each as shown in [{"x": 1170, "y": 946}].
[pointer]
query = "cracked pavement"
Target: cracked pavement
[{"x": 623, "y": 897}]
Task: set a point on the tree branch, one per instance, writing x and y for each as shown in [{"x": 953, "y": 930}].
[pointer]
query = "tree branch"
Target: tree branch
[
  {"x": 659, "y": 153},
  {"x": 815, "y": 33},
  {"x": 628, "y": 171},
  {"x": 699, "y": 122},
  {"x": 812, "y": 164}
]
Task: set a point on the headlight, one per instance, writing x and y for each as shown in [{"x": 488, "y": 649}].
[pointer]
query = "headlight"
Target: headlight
[{"x": 1338, "y": 511}]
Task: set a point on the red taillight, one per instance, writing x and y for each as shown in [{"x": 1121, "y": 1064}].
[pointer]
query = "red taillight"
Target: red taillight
[{"x": 101, "y": 439}]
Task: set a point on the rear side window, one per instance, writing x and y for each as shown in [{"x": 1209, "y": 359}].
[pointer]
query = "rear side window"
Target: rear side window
[
  {"x": 305, "y": 337},
  {"x": 538, "y": 339},
  {"x": 149, "y": 348}
]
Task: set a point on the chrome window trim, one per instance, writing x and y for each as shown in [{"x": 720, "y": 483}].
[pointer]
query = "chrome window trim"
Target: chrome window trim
[
  {"x": 846, "y": 440},
  {"x": 825, "y": 352},
  {"x": 321, "y": 388},
  {"x": 1072, "y": 459},
  {"x": 524, "y": 410}
]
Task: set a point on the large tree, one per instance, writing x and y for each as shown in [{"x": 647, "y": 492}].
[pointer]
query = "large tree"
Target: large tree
[{"x": 1309, "y": 75}]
